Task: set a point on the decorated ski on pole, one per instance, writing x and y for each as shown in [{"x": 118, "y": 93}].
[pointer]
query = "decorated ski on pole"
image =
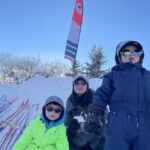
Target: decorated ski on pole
[{"x": 74, "y": 33}]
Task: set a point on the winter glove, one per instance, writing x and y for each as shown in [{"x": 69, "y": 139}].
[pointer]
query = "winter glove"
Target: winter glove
[
  {"x": 95, "y": 109},
  {"x": 91, "y": 123},
  {"x": 73, "y": 126}
]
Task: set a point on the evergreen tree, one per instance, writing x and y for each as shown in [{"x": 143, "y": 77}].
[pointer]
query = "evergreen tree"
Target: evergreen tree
[
  {"x": 97, "y": 58},
  {"x": 76, "y": 68}
]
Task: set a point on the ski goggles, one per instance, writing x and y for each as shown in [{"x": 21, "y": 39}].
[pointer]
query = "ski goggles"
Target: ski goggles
[
  {"x": 50, "y": 109},
  {"x": 127, "y": 53}
]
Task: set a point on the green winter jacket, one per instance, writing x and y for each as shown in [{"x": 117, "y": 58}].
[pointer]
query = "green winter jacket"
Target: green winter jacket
[{"x": 39, "y": 137}]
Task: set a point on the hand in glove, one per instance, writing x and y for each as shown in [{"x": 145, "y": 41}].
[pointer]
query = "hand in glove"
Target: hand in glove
[
  {"x": 91, "y": 123},
  {"x": 73, "y": 126}
]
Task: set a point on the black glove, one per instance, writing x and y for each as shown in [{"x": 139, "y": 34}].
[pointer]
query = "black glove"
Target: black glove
[
  {"x": 95, "y": 109},
  {"x": 91, "y": 123},
  {"x": 73, "y": 126}
]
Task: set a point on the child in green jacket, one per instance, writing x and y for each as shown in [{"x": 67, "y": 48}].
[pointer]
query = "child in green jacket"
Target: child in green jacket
[{"x": 48, "y": 131}]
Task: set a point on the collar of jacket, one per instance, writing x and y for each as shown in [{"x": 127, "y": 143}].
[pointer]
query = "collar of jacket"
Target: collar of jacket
[
  {"x": 52, "y": 123},
  {"x": 127, "y": 66}
]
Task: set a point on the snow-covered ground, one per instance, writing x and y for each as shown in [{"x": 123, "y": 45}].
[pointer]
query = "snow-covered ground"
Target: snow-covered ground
[
  {"x": 36, "y": 90},
  {"x": 39, "y": 88}
]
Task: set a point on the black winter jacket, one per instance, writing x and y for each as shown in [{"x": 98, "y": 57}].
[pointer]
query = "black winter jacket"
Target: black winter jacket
[{"x": 77, "y": 106}]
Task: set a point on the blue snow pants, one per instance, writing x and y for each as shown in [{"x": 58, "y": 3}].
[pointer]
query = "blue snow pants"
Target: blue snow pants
[{"x": 127, "y": 132}]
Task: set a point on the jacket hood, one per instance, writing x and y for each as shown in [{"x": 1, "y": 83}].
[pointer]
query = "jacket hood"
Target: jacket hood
[
  {"x": 55, "y": 99},
  {"x": 123, "y": 44}
]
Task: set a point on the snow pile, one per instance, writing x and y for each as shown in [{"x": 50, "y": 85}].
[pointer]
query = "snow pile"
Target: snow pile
[
  {"x": 39, "y": 88},
  {"x": 36, "y": 90}
]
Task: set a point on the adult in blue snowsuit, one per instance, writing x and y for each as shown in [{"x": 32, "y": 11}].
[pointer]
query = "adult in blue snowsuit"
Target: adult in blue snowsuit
[{"x": 126, "y": 89}]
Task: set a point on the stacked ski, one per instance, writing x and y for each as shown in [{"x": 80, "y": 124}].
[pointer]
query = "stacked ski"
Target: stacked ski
[
  {"x": 7, "y": 107},
  {"x": 21, "y": 126},
  {"x": 3, "y": 103},
  {"x": 9, "y": 119},
  {"x": 35, "y": 108},
  {"x": 16, "y": 123}
]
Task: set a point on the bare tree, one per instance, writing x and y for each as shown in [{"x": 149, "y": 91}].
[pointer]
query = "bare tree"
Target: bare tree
[
  {"x": 28, "y": 66},
  {"x": 6, "y": 66},
  {"x": 53, "y": 68},
  {"x": 17, "y": 69}
]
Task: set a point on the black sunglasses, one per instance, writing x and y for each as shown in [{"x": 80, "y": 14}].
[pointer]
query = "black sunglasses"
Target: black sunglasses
[
  {"x": 57, "y": 111},
  {"x": 79, "y": 82}
]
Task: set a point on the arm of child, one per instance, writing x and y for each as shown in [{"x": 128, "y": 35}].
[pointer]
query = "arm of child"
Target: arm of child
[
  {"x": 62, "y": 143},
  {"x": 25, "y": 139}
]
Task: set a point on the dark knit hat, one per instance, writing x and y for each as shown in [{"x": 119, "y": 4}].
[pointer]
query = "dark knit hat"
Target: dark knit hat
[
  {"x": 123, "y": 44},
  {"x": 81, "y": 77}
]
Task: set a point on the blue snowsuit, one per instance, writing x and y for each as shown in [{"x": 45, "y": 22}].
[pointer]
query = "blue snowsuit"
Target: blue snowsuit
[{"x": 126, "y": 89}]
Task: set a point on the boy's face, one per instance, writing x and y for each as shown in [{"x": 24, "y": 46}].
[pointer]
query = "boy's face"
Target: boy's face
[
  {"x": 130, "y": 54},
  {"x": 53, "y": 112}
]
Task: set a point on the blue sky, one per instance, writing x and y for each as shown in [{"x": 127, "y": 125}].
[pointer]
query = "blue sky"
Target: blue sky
[{"x": 40, "y": 27}]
